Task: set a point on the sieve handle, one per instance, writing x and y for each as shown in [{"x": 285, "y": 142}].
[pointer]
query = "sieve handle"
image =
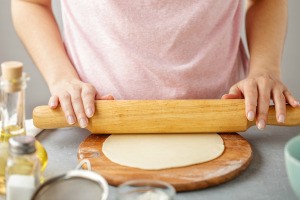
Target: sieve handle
[{"x": 84, "y": 162}]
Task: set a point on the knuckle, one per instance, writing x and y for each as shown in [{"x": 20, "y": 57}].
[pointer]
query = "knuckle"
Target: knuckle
[
  {"x": 280, "y": 100},
  {"x": 279, "y": 86},
  {"x": 282, "y": 97},
  {"x": 74, "y": 89},
  {"x": 264, "y": 98},
  {"x": 76, "y": 99},
  {"x": 287, "y": 92},
  {"x": 88, "y": 93},
  {"x": 88, "y": 90},
  {"x": 265, "y": 80},
  {"x": 279, "y": 89},
  {"x": 252, "y": 104},
  {"x": 232, "y": 87},
  {"x": 262, "y": 113},
  {"x": 251, "y": 82},
  {"x": 88, "y": 86},
  {"x": 65, "y": 96},
  {"x": 52, "y": 99},
  {"x": 280, "y": 110},
  {"x": 80, "y": 114},
  {"x": 67, "y": 110},
  {"x": 265, "y": 77},
  {"x": 78, "y": 109}
]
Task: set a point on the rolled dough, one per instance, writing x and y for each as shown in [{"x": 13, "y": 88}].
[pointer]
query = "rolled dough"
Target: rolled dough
[{"x": 162, "y": 151}]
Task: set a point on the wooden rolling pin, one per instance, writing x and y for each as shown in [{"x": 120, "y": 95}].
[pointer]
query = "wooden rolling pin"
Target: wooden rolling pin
[{"x": 164, "y": 116}]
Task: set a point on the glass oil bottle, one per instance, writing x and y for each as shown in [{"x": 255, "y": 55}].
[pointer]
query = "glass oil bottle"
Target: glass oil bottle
[
  {"x": 22, "y": 168},
  {"x": 12, "y": 98}
]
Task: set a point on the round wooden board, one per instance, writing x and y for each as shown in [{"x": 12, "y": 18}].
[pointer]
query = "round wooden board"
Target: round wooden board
[{"x": 233, "y": 161}]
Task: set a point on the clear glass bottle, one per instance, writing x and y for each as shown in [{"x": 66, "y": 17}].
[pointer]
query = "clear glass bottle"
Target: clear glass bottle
[
  {"x": 22, "y": 168},
  {"x": 12, "y": 98}
]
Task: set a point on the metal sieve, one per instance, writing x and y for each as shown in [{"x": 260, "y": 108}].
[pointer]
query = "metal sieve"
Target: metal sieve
[{"x": 76, "y": 184}]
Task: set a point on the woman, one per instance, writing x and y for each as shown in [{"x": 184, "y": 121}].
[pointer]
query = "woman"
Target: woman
[{"x": 157, "y": 49}]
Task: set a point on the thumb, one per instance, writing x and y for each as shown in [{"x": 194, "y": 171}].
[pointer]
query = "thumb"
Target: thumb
[
  {"x": 234, "y": 93},
  {"x": 107, "y": 97}
]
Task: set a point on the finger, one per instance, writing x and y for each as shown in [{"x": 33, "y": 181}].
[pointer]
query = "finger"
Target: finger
[
  {"x": 234, "y": 93},
  {"x": 53, "y": 102},
  {"x": 107, "y": 97},
  {"x": 78, "y": 108},
  {"x": 291, "y": 99},
  {"x": 88, "y": 98},
  {"x": 231, "y": 96},
  {"x": 264, "y": 93},
  {"x": 280, "y": 105},
  {"x": 66, "y": 105},
  {"x": 251, "y": 95}
]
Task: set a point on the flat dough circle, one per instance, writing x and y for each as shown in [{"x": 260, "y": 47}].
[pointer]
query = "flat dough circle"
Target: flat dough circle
[{"x": 162, "y": 151}]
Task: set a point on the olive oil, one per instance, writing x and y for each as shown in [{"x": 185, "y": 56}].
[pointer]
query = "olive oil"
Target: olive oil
[
  {"x": 12, "y": 109},
  {"x": 15, "y": 130},
  {"x": 22, "y": 171},
  {"x": 5, "y": 135},
  {"x": 41, "y": 154},
  {"x": 3, "y": 159}
]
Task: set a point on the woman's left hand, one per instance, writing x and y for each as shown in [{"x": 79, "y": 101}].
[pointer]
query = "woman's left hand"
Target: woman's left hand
[{"x": 258, "y": 90}]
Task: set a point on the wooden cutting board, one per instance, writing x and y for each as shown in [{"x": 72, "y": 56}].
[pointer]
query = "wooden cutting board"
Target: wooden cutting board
[{"x": 232, "y": 162}]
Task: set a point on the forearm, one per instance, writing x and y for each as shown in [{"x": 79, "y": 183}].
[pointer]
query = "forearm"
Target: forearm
[
  {"x": 37, "y": 28},
  {"x": 266, "y": 22}
]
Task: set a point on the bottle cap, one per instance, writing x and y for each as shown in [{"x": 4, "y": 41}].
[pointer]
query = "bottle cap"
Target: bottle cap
[
  {"x": 23, "y": 144},
  {"x": 11, "y": 70},
  {"x": 11, "y": 76}
]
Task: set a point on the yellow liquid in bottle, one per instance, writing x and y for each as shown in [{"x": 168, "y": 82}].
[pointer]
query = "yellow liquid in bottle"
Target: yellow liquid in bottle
[
  {"x": 11, "y": 131},
  {"x": 41, "y": 154},
  {"x": 3, "y": 159}
]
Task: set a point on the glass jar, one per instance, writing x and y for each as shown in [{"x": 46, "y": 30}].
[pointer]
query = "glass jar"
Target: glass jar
[
  {"x": 22, "y": 168},
  {"x": 13, "y": 83}
]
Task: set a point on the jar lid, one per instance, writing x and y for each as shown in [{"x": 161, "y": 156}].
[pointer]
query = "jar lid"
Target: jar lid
[{"x": 23, "y": 144}]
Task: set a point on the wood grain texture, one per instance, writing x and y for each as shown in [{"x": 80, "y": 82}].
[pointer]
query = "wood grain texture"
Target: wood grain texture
[
  {"x": 232, "y": 162},
  {"x": 163, "y": 116}
]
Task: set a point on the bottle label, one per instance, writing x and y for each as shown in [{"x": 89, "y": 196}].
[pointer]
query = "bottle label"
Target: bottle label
[{"x": 20, "y": 187}]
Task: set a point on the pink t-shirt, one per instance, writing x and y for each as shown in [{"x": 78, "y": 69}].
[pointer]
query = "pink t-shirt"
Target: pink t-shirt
[{"x": 156, "y": 49}]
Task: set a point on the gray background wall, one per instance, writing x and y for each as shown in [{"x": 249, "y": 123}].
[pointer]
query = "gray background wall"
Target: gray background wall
[{"x": 37, "y": 92}]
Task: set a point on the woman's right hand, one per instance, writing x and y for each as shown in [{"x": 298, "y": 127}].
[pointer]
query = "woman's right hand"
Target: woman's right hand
[
  {"x": 77, "y": 100},
  {"x": 75, "y": 97}
]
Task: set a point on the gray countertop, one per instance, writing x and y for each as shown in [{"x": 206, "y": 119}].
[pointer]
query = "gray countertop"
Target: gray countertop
[{"x": 264, "y": 179}]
